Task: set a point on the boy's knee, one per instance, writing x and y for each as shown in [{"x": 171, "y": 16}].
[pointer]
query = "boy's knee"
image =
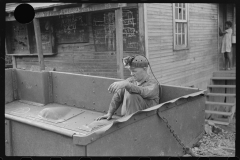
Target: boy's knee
[{"x": 133, "y": 96}]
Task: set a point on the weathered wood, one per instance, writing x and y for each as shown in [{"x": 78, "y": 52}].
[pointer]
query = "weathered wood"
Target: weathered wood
[
  {"x": 39, "y": 43},
  {"x": 14, "y": 62},
  {"x": 217, "y": 112},
  {"x": 96, "y": 7},
  {"x": 218, "y": 122},
  {"x": 141, "y": 29},
  {"x": 119, "y": 41},
  {"x": 182, "y": 69},
  {"x": 181, "y": 79}
]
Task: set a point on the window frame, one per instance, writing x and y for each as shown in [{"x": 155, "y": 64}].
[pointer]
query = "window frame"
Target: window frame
[{"x": 175, "y": 21}]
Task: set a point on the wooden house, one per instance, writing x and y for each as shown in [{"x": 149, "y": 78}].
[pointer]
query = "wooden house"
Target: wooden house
[{"x": 181, "y": 40}]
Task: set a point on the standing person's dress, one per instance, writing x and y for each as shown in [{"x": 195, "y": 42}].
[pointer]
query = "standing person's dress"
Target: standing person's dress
[{"x": 227, "y": 41}]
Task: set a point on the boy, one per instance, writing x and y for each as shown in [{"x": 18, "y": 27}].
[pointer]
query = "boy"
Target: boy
[{"x": 135, "y": 93}]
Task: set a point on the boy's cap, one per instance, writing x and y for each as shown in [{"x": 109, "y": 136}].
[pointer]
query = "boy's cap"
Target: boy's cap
[{"x": 136, "y": 62}]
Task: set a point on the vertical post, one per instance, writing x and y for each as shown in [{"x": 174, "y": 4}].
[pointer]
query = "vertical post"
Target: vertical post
[
  {"x": 119, "y": 42},
  {"x": 13, "y": 57},
  {"x": 141, "y": 29},
  {"x": 218, "y": 50},
  {"x": 14, "y": 62},
  {"x": 39, "y": 43}
]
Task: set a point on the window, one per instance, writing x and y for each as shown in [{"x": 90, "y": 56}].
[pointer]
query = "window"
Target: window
[{"x": 180, "y": 26}]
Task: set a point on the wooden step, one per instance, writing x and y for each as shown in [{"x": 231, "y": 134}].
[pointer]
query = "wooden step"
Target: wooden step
[
  {"x": 231, "y": 73},
  {"x": 217, "y": 122},
  {"x": 219, "y": 113},
  {"x": 223, "y": 78},
  {"x": 221, "y": 86},
  {"x": 219, "y": 103},
  {"x": 221, "y": 94}
]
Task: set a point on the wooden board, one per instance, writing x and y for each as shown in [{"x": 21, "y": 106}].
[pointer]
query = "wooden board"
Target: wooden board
[
  {"x": 103, "y": 27},
  {"x": 71, "y": 28},
  {"x": 130, "y": 29},
  {"x": 19, "y": 39}
]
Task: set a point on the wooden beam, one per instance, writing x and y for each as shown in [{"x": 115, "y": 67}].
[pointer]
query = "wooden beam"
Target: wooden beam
[
  {"x": 119, "y": 42},
  {"x": 145, "y": 29},
  {"x": 39, "y": 43},
  {"x": 141, "y": 29},
  {"x": 97, "y": 7},
  {"x": 14, "y": 62},
  {"x": 218, "y": 58}
]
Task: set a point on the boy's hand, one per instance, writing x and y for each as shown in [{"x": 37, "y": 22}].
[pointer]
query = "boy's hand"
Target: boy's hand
[
  {"x": 106, "y": 116},
  {"x": 117, "y": 85}
]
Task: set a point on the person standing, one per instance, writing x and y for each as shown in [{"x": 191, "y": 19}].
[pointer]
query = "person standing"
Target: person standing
[{"x": 227, "y": 44}]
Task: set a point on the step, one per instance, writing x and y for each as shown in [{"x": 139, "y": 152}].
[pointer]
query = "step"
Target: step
[
  {"x": 221, "y": 94},
  {"x": 223, "y": 78},
  {"x": 219, "y": 103},
  {"x": 230, "y": 73},
  {"x": 221, "y": 86},
  {"x": 218, "y": 112},
  {"x": 217, "y": 122}
]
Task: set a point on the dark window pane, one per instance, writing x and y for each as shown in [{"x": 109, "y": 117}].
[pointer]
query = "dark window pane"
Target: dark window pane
[
  {"x": 176, "y": 37},
  {"x": 176, "y": 27},
  {"x": 179, "y": 39},
  {"x": 183, "y": 39},
  {"x": 180, "y": 13},
  {"x": 183, "y": 28},
  {"x": 184, "y": 14},
  {"x": 179, "y": 27}
]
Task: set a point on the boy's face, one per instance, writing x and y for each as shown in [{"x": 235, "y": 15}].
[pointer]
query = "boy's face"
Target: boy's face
[{"x": 137, "y": 73}]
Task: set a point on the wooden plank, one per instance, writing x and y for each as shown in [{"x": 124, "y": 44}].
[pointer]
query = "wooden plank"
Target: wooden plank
[
  {"x": 14, "y": 62},
  {"x": 187, "y": 59},
  {"x": 168, "y": 68},
  {"x": 220, "y": 94},
  {"x": 217, "y": 122},
  {"x": 219, "y": 103},
  {"x": 119, "y": 42},
  {"x": 65, "y": 11},
  {"x": 186, "y": 77},
  {"x": 39, "y": 43},
  {"x": 223, "y": 78},
  {"x": 222, "y": 86},
  {"x": 198, "y": 83},
  {"x": 189, "y": 76},
  {"x": 184, "y": 71},
  {"x": 231, "y": 91},
  {"x": 141, "y": 29},
  {"x": 219, "y": 113},
  {"x": 145, "y": 9}
]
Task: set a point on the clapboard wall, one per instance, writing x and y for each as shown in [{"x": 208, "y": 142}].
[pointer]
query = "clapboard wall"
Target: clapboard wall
[{"x": 193, "y": 66}]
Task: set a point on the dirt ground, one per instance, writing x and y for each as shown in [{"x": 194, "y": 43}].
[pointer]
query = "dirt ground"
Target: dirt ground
[{"x": 218, "y": 141}]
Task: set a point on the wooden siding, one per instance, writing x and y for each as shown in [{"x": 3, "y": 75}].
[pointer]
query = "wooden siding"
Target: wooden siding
[
  {"x": 83, "y": 58},
  {"x": 78, "y": 58},
  {"x": 193, "y": 66},
  {"x": 230, "y": 12}
]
